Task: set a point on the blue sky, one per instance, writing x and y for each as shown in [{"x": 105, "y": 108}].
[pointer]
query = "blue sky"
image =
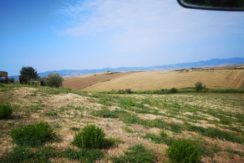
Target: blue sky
[{"x": 87, "y": 34}]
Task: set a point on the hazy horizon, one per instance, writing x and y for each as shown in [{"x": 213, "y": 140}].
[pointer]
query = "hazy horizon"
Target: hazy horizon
[{"x": 91, "y": 34}]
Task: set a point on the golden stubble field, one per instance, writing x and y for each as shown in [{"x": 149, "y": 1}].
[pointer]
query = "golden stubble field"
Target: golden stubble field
[
  {"x": 215, "y": 121},
  {"x": 155, "y": 80}
]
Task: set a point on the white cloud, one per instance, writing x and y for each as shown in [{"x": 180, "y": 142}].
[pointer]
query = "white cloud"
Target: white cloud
[{"x": 147, "y": 24}]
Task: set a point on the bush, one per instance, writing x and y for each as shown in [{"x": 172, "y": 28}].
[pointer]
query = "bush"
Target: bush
[
  {"x": 33, "y": 135},
  {"x": 83, "y": 155},
  {"x": 54, "y": 80},
  {"x": 167, "y": 91},
  {"x": 19, "y": 154},
  {"x": 184, "y": 151},
  {"x": 173, "y": 90},
  {"x": 136, "y": 154},
  {"x": 199, "y": 86},
  {"x": 125, "y": 91},
  {"x": 91, "y": 137},
  {"x": 5, "y": 111},
  {"x": 43, "y": 81}
]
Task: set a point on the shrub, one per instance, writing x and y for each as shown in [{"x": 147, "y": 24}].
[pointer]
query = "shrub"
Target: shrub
[
  {"x": 83, "y": 155},
  {"x": 136, "y": 154},
  {"x": 125, "y": 91},
  {"x": 54, "y": 80},
  {"x": 105, "y": 113},
  {"x": 173, "y": 90},
  {"x": 90, "y": 137},
  {"x": 199, "y": 86},
  {"x": 25, "y": 154},
  {"x": 184, "y": 151},
  {"x": 43, "y": 81},
  {"x": 33, "y": 135},
  {"x": 5, "y": 111},
  {"x": 19, "y": 154},
  {"x": 166, "y": 91}
]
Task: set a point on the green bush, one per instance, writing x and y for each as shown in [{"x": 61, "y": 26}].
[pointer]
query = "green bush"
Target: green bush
[
  {"x": 25, "y": 154},
  {"x": 33, "y": 135},
  {"x": 199, "y": 86},
  {"x": 19, "y": 154},
  {"x": 173, "y": 90},
  {"x": 184, "y": 151},
  {"x": 91, "y": 137},
  {"x": 5, "y": 111},
  {"x": 54, "y": 80},
  {"x": 83, "y": 155},
  {"x": 136, "y": 154}
]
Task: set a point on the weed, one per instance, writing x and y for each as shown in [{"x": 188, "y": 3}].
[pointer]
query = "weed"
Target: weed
[
  {"x": 162, "y": 138},
  {"x": 105, "y": 113},
  {"x": 5, "y": 111},
  {"x": 18, "y": 154},
  {"x": 91, "y": 137},
  {"x": 83, "y": 155},
  {"x": 216, "y": 133},
  {"x": 33, "y": 135},
  {"x": 184, "y": 151},
  {"x": 136, "y": 154},
  {"x": 51, "y": 114}
]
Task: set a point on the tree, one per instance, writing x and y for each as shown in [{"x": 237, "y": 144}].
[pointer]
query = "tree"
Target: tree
[
  {"x": 27, "y": 74},
  {"x": 54, "y": 80},
  {"x": 199, "y": 86}
]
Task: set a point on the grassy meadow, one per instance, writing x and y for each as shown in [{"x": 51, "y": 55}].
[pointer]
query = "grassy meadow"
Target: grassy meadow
[{"x": 139, "y": 125}]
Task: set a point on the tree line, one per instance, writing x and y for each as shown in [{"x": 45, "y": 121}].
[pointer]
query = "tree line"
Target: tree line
[{"x": 28, "y": 75}]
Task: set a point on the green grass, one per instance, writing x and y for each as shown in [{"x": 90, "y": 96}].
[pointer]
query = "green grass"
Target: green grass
[
  {"x": 43, "y": 154},
  {"x": 136, "y": 154},
  {"x": 184, "y": 151},
  {"x": 162, "y": 138},
  {"x": 25, "y": 154},
  {"x": 105, "y": 113},
  {"x": 6, "y": 111},
  {"x": 83, "y": 155},
  {"x": 51, "y": 114},
  {"x": 216, "y": 133},
  {"x": 33, "y": 135}
]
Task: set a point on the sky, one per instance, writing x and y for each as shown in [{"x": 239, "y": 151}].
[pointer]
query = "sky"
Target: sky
[{"x": 89, "y": 34}]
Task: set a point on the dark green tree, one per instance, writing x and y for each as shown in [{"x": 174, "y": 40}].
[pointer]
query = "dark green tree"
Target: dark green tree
[
  {"x": 200, "y": 87},
  {"x": 27, "y": 74}
]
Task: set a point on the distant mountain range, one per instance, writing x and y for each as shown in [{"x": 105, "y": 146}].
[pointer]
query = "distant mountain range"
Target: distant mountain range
[{"x": 206, "y": 63}]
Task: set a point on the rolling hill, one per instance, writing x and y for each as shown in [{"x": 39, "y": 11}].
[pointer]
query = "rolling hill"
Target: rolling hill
[
  {"x": 206, "y": 63},
  {"x": 154, "y": 80}
]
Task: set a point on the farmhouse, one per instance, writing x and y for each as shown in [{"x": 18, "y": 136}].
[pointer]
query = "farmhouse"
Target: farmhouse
[{"x": 3, "y": 74}]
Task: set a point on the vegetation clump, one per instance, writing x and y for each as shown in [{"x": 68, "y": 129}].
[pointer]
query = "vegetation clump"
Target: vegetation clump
[
  {"x": 84, "y": 155},
  {"x": 91, "y": 137},
  {"x": 136, "y": 154},
  {"x": 27, "y": 74},
  {"x": 54, "y": 80},
  {"x": 5, "y": 111},
  {"x": 33, "y": 135},
  {"x": 199, "y": 86},
  {"x": 184, "y": 151}
]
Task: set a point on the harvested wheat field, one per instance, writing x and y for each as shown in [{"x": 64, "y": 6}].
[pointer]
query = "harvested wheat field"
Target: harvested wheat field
[
  {"x": 82, "y": 82},
  {"x": 213, "y": 121},
  {"x": 155, "y": 80}
]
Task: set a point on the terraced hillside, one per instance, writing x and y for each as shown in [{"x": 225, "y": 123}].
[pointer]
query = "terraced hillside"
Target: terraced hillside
[
  {"x": 215, "y": 122},
  {"x": 155, "y": 80}
]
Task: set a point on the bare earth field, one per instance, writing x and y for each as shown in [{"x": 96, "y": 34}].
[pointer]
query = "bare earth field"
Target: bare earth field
[
  {"x": 155, "y": 80},
  {"x": 215, "y": 121}
]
